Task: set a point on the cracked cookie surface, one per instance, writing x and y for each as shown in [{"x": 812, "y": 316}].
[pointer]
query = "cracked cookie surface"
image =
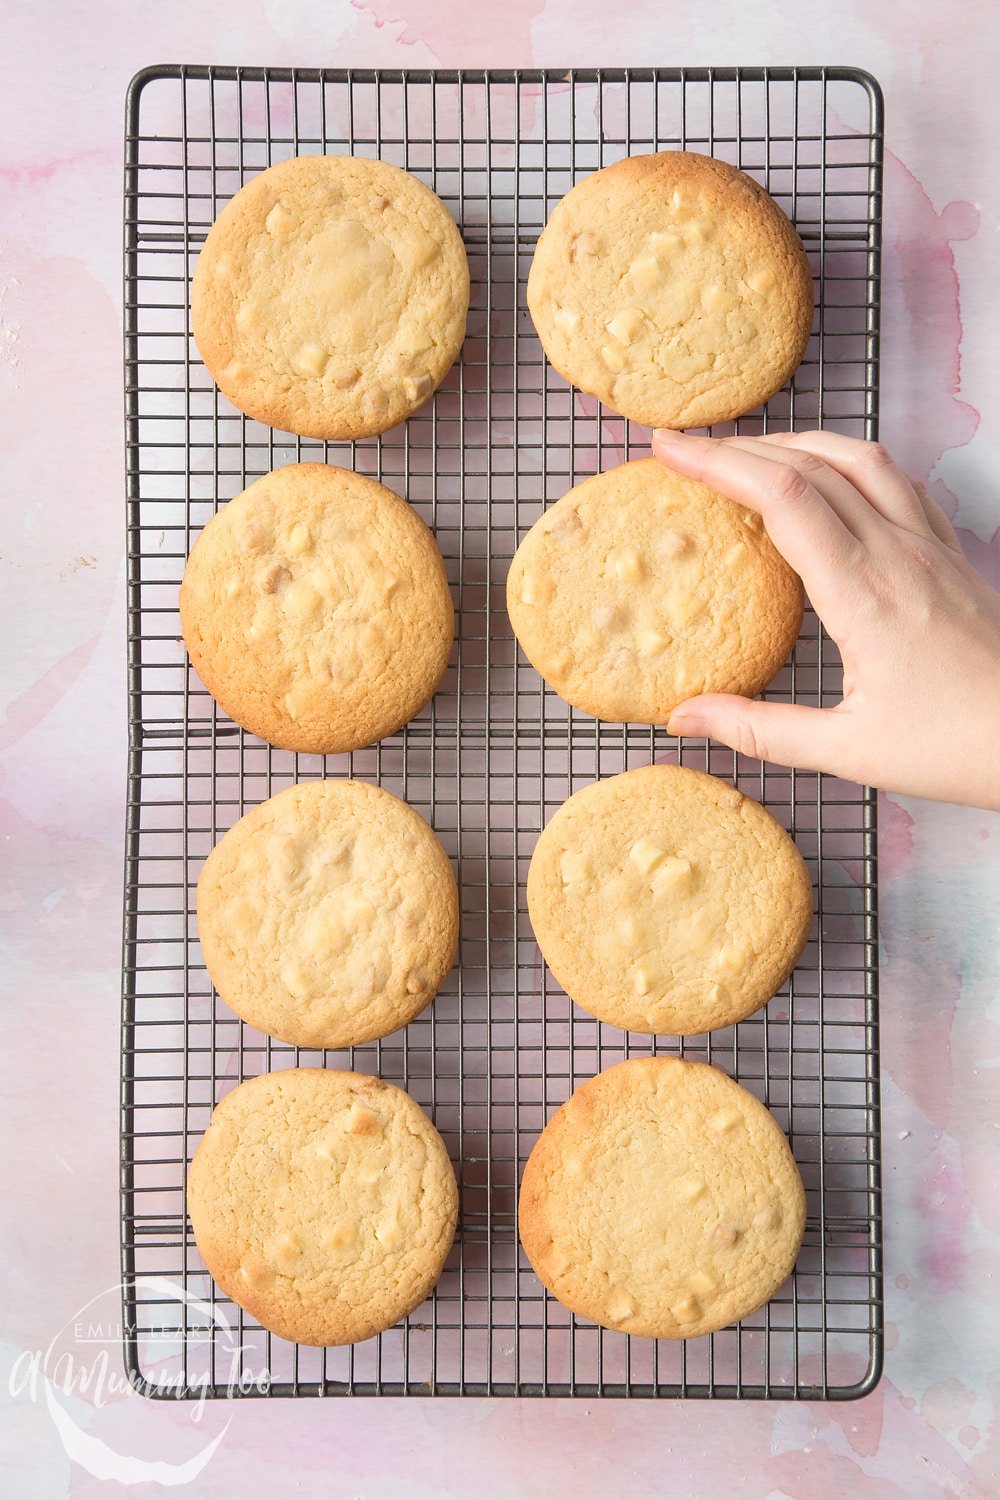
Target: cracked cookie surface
[
  {"x": 673, "y": 288},
  {"x": 315, "y": 609},
  {"x": 328, "y": 915},
  {"x": 323, "y": 1202},
  {"x": 662, "y": 1199},
  {"x": 331, "y": 296},
  {"x": 663, "y": 900},
  {"x": 641, "y": 588}
]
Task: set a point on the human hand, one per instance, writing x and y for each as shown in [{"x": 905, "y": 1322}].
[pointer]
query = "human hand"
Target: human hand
[{"x": 918, "y": 628}]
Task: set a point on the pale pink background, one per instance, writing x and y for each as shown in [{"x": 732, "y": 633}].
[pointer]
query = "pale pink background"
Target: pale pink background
[{"x": 931, "y": 1428}]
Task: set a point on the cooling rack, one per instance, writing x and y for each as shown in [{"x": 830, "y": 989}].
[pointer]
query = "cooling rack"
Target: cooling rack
[{"x": 495, "y": 753}]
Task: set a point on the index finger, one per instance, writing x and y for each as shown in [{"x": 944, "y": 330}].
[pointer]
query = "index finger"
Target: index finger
[{"x": 802, "y": 525}]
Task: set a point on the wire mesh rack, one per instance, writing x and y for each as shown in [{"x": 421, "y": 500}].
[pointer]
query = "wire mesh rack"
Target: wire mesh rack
[{"x": 496, "y": 752}]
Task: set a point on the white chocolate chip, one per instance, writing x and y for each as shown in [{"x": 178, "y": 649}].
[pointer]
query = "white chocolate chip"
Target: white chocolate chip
[
  {"x": 716, "y": 299},
  {"x": 703, "y": 1281},
  {"x": 651, "y": 642},
  {"x": 628, "y": 565},
  {"x": 647, "y": 854},
  {"x": 726, "y": 1120},
  {"x": 613, "y": 356},
  {"x": 361, "y": 1120},
  {"x": 417, "y": 387},
  {"x": 627, "y": 927},
  {"x": 278, "y": 222},
  {"x": 233, "y": 587},
  {"x": 681, "y": 203},
  {"x": 647, "y": 273},
  {"x": 671, "y": 875},
  {"x": 725, "y": 1235},
  {"x": 272, "y": 578},
  {"x": 295, "y": 979},
  {"x": 537, "y": 588},
  {"x": 767, "y": 1220},
  {"x": 574, "y": 867},
  {"x": 344, "y": 375},
  {"x": 672, "y": 544},
  {"x": 688, "y": 1188},
  {"x": 621, "y": 1307},
  {"x": 664, "y": 242},
  {"x": 701, "y": 230},
  {"x": 301, "y": 600},
  {"x": 626, "y": 325},
  {"x": 566, "y": 319},
  {"x": 342, "y": 1235},
  {"x": 311, "y": 360},
  {"x": 751, "y": 519},
  {"x": 735, "y": 554},
  {"x": 416, "y": 982},
  {"x": 642, "y": 982},
  {"x": 730, "y": 958},
  {"x": 683, "y": 607},
  {"x": 609, "y": 617},
  {"x": 584, "y": 245},
  {"x": 761, "y": 282},
  {"x": 686, "y": 1309},
  {"x": 299, "y": 540}
]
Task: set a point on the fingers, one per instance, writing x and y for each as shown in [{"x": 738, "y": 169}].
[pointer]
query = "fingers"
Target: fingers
[
  {"x": 868, "y": 468},
  {"x": 801, "y": 523},
  {"x": 937, "y": 520},
  {"x": 813, "y": 739}
]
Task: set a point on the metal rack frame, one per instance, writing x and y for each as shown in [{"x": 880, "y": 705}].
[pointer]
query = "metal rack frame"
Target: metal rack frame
[{"x": 495, "y": 753}]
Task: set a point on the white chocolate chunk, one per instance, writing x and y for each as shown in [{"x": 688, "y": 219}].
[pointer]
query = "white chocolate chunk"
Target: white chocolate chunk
[
  {"x": 761, "y": 282},
  {"x": 672, "y": 875},
  {"x": 735, "y": 554},
  {"x": 703, "y": 1281},
  {"x": 647, "y": 854},
  {"x": 537, "y": 588},
  {"x": 416, "y": 387},
  {"x": 726, "y": 1120},
  {"x": 613, "y": 356},
  {"x": 299, "y": 540},
  {"x": 686, "y": 1309},
  {"x": 628, "y": 565},
  {"x": 311, "y": 360},
  {"x": 683, "y": 607},
  {"x": 278, "y": 222},
  {"x": 664, "y": 242},
  {"x": 688, "y": 1188},
  {"x": 566, "y": 319},
  {"x": 647, "y": 273},
  {"x": 626, "y": 325},
  {"x": 574, "y": 867},
  {"x": 651, "y": 642}
]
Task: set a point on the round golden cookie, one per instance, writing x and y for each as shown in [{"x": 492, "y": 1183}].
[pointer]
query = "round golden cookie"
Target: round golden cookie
[
  {"x": 315, "y": 609},
  {"x": 662, "y": 1199},
  {"x": 640, "y": 588},
  {"x": 663, "y": 900},
  {"x": 673, "y": 288},
  {"x": 331, "y": 296},
  {"x": 328, "y": 915},
  {"x": 322, "y": 1202}
]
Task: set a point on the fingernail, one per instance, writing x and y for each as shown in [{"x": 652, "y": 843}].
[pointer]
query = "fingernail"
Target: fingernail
[
  {"x": 680, "y": 723},
  {"x": 666, "y": 435}
]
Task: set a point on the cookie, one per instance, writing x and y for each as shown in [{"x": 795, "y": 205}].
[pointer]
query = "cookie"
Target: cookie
[
  {"x": 331, "y": 296},
  {"x": 324, "y": 1203},
  {"x": 663, "y": 900},
  {"x": 662, "y": 1199},
  {"x": 316, "y": 611},
  {"x": 673, "y": 288},
  {"x": 641, "y": 588},
  {"x": 328, "y": 915}
]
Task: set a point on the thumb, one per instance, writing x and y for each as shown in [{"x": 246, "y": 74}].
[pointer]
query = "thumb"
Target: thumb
[{"x": 812, "y": 739}]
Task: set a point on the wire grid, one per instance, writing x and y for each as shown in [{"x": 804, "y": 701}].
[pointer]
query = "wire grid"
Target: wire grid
[{"x": 495, "y": 753}]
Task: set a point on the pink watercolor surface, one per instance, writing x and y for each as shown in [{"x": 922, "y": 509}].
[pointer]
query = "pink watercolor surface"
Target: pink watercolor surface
[{"x": 931, "y": 1427}]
